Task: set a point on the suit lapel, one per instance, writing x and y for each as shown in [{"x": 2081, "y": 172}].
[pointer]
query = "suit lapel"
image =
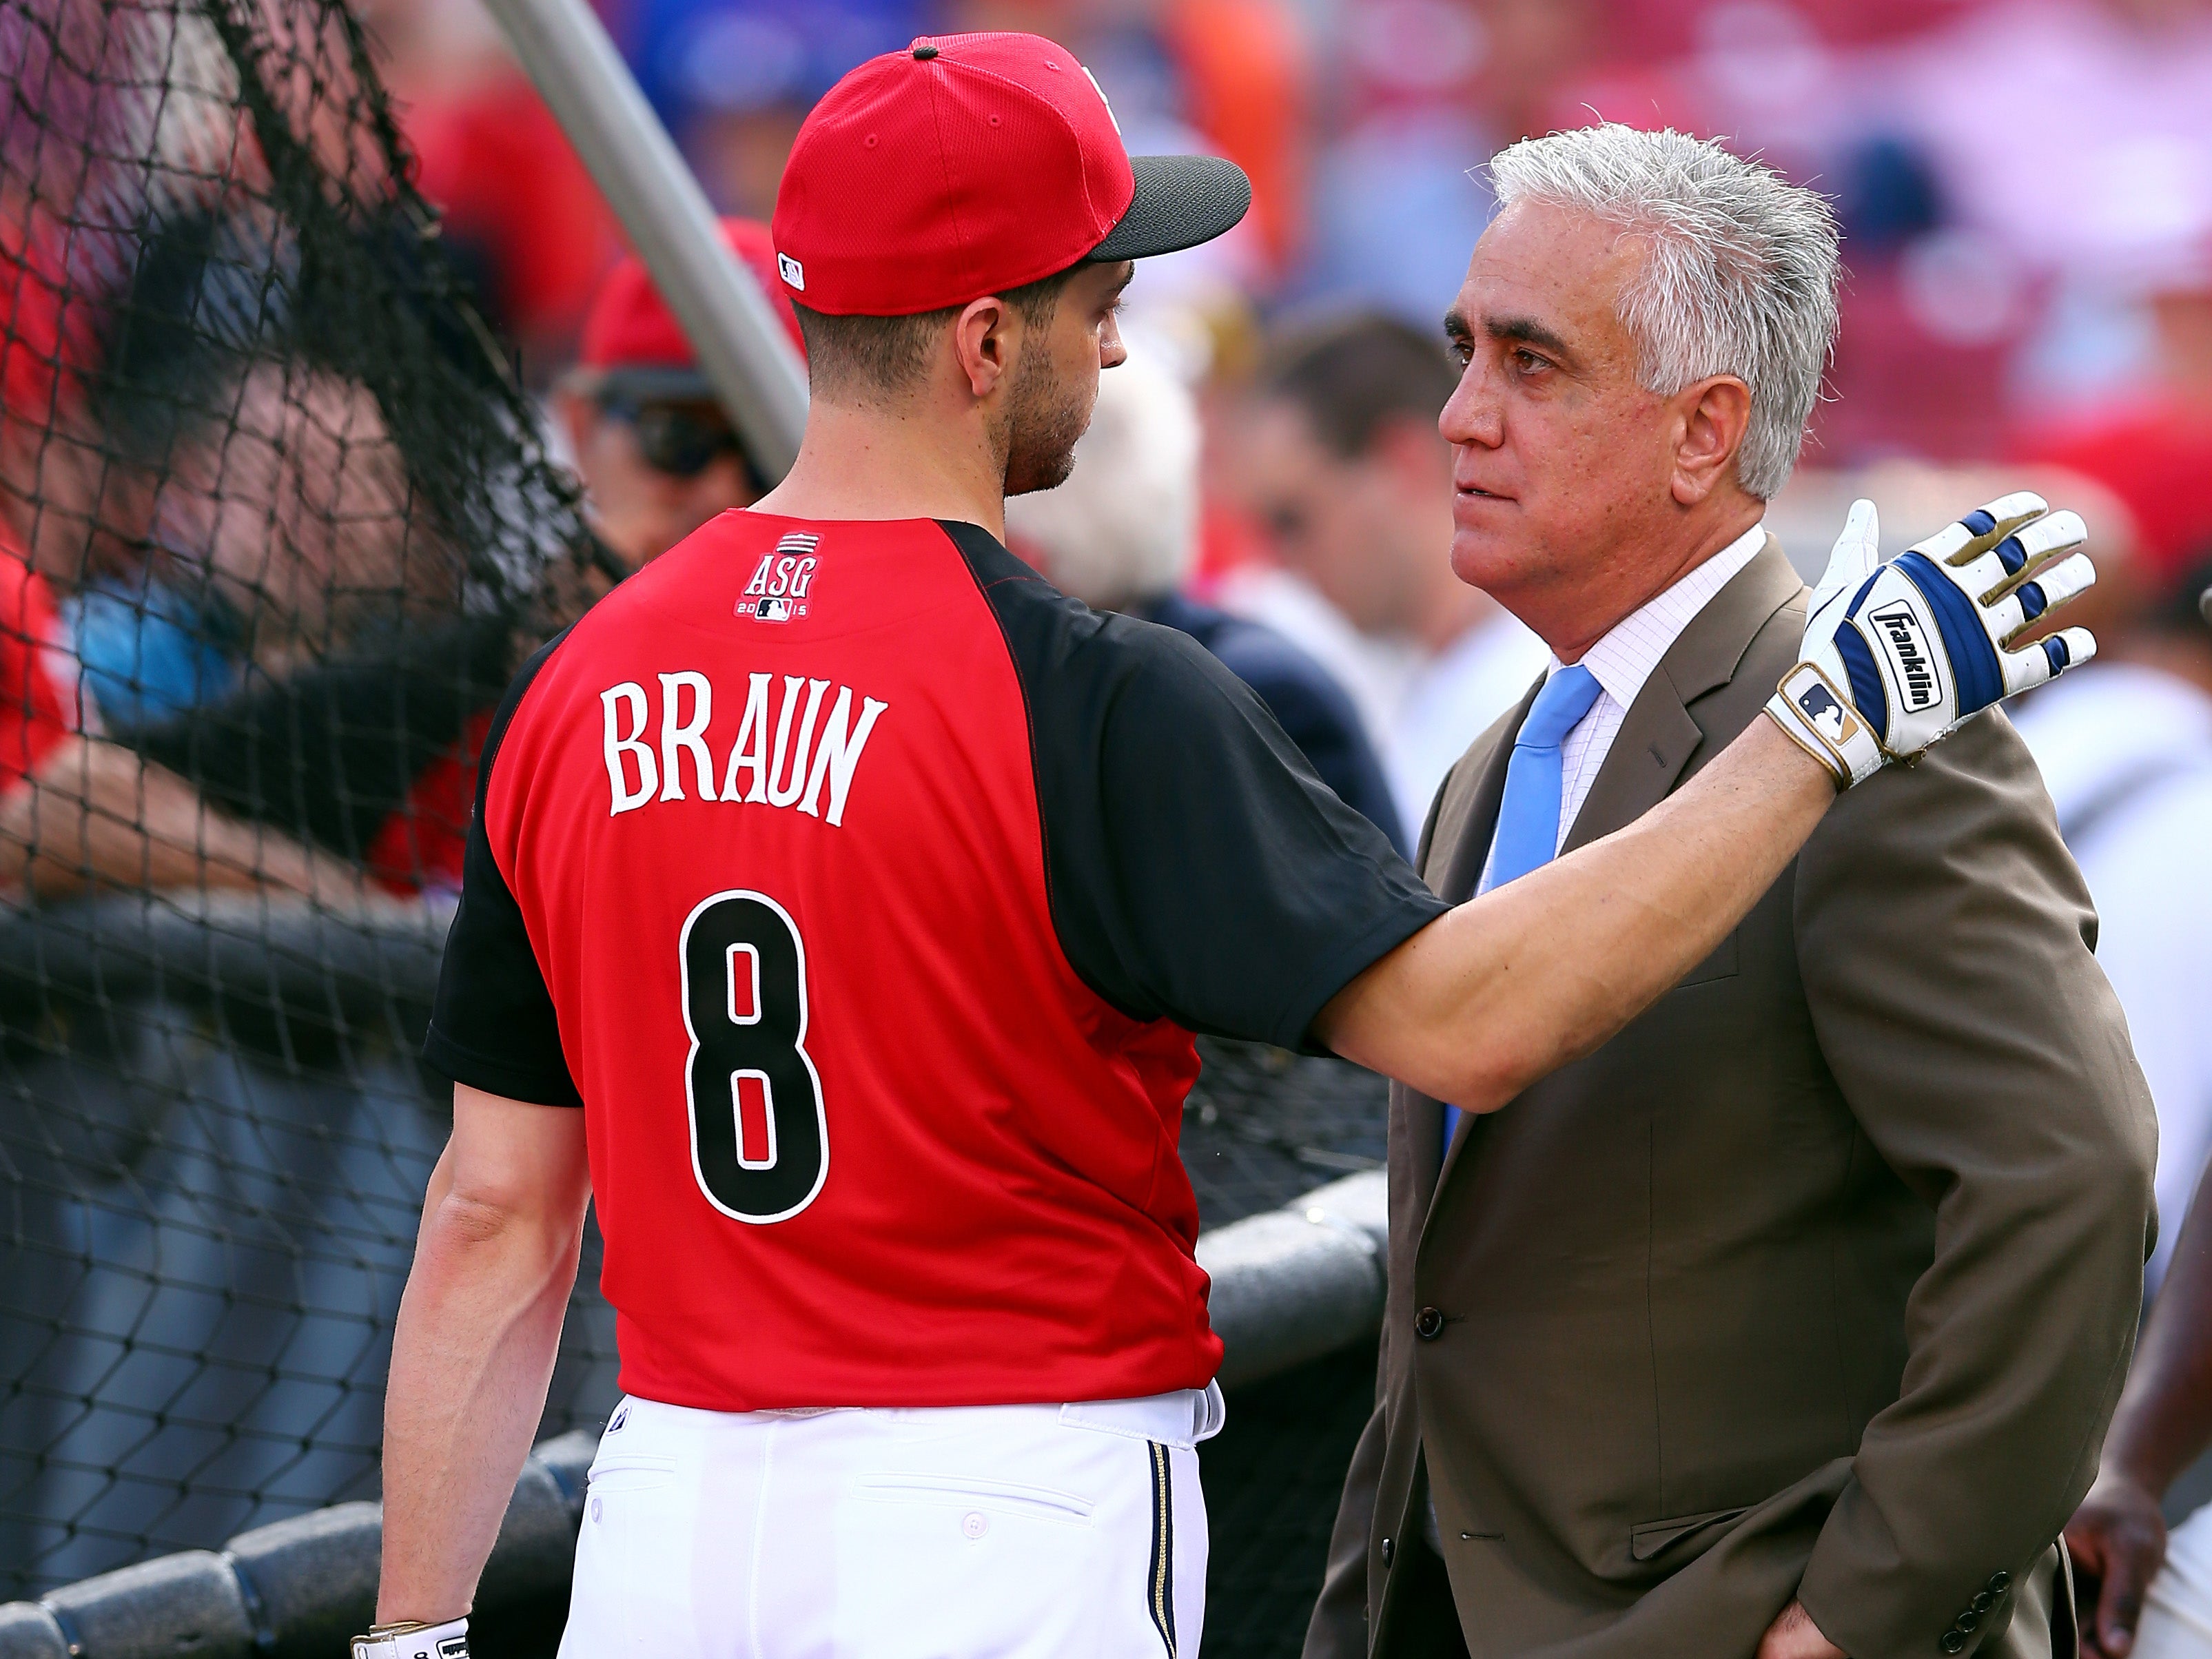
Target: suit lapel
[{"x": 1658, "y": 735}]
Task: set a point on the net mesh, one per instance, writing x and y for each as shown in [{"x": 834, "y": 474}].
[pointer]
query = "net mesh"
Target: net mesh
[{"x": 276, "y": 524}]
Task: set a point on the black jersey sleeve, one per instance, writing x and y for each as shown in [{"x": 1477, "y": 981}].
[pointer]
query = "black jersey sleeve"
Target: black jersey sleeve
[
  {"x": 492, "y": 1025},
  {"x": 1198, "y": 869}
]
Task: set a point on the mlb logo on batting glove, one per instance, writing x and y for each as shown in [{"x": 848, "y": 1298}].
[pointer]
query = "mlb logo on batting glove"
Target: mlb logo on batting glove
[{"x": 1898, "y": 654}]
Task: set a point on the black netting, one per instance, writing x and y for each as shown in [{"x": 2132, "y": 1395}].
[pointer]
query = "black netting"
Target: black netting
[{"x": 276, "y": 524}]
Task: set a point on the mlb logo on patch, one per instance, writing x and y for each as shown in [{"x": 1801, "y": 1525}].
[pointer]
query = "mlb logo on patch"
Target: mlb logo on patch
[{"x": 782, "y": 580}]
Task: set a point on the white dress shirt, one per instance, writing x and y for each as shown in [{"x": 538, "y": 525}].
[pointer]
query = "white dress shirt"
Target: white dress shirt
[{"x": 1624, "y": 658}]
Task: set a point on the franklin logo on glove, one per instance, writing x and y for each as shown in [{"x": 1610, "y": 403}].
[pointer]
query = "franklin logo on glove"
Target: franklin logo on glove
[
  {"x": 1913, "y": 647},
  {"x": 1907, "y": 647}
]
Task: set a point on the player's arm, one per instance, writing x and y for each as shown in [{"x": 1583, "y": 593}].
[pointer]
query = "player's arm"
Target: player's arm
[
  {"x": 1516, "y": 983},
  {"x": 94, "y": 814},
  {"x": 1513, "y": 985},
  {"x": 472, "y": 1354}
]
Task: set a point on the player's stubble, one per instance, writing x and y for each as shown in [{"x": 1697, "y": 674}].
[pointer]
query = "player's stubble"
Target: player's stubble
[{"x": 1046, "y": 413}]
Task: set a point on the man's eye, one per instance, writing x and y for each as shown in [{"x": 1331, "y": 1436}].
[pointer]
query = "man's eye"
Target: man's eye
[{"x": 1528, "y": 360}]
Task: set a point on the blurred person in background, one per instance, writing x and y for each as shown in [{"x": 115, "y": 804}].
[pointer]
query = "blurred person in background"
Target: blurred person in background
[
  {"x": 79, "y": 813},
  {"x": 656, "y": 454},
  {"x": 2148, "y": 1595},
  {"x": 1121, "y": 535},
  {"x": 1342, "y": 463},
  {"x": 2134, "y": 807}
]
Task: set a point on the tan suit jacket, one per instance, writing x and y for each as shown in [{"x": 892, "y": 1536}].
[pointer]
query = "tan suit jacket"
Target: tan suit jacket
[{"x": 1820, "y": 1279}]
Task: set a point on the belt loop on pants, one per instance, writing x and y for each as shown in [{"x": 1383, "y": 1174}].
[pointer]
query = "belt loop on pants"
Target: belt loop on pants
[{"x": 1181, "y": 1418}]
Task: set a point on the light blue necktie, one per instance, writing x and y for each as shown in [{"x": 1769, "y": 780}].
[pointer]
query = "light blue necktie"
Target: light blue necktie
[{"x": 1527, "y": 835}]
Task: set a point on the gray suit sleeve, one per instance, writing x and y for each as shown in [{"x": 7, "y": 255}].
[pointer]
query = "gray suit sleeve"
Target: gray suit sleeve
[{"x": 1944, "y": 937}]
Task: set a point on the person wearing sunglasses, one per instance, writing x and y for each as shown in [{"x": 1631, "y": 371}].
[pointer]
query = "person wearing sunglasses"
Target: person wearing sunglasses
[{"x": 657, "y": 456}]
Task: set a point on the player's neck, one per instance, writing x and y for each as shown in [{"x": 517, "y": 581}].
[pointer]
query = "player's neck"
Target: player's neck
[{"x": 874, "y": 462}]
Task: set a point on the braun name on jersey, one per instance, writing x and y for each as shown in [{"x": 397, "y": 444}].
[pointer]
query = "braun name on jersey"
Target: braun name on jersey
[{"x": 788, "y": 752}]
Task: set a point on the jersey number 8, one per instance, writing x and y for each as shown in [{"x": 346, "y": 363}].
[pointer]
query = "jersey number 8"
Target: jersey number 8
[{"x": 760, "y": 1142}]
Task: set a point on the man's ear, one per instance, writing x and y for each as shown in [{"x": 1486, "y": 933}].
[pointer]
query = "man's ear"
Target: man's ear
[
  {"x": 1713, "y": 415},
  {"x": 984, "y": 338}
]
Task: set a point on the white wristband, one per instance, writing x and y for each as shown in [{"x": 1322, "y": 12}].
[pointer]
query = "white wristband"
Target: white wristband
[
  {"x": 1821, "y": 719},
  {"x": 447, "y": 1641}
]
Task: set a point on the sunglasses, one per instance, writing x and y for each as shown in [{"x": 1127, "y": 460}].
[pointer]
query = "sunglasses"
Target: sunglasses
[{"x": 680, "y": 440}]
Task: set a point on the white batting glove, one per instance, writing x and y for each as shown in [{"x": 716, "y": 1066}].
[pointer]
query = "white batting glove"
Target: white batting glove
[
  {"x": 408, "y": 1639},
  {"x": 1897, "y": 655}
]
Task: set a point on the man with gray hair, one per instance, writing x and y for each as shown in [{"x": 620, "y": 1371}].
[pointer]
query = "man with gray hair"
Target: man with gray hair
[{"x": 1788, "y": 1321}]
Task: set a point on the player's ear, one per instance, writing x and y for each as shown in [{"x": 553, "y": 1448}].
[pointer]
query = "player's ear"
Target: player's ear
[{"x": 983, "y": 340}]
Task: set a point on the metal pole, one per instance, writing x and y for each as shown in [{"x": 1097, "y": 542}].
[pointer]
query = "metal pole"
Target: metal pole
[{"x": 743, "y": 349}]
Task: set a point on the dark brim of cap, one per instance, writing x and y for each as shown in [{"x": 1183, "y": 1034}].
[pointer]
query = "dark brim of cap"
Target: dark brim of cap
[
  {"x": 653, "y": 384},
  {"x": 1181, "y": 201}
]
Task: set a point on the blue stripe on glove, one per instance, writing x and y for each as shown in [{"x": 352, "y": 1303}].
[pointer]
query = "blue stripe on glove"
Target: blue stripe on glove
[{"x": 1966, "y": 642}]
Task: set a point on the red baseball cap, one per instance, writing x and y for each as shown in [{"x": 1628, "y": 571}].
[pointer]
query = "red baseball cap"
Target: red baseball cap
[
  {"x": 968, "y": 164},
  {"x": 632, "y": 339}
]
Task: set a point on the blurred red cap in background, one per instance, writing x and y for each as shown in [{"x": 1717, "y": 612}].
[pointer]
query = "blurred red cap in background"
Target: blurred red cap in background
[{"x": 631, "y": 333}]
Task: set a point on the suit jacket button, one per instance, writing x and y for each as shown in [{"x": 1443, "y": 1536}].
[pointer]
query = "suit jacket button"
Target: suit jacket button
[
  {"x": 1428, "y": 1324},
  {"x": 1968, "y": 1620},
  {"x": 1983, "y": 1602},
  {"x": 2000, "y": 1582},
  {"x": 1388, "y": 1550},
  {"x": 1955, "y": 1641}
]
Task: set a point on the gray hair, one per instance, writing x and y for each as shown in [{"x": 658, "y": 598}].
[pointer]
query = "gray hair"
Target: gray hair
[{"x": 1739, "y": 272}]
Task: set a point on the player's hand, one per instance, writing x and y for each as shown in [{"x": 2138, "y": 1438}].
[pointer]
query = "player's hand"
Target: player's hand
[
  {"x": 2117, "y": 1538},
  {"x": 1896, "y": 655}
]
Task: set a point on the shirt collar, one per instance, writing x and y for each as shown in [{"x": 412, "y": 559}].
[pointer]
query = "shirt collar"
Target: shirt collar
[{"x": 1624, "y": 658}]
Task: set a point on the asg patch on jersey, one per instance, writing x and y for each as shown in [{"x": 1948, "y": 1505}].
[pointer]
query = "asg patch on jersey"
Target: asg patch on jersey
[{"x": 778, "y": 592}]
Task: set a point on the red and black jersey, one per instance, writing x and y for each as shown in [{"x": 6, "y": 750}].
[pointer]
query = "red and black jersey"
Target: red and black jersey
[{"x": 864, "y": 891}]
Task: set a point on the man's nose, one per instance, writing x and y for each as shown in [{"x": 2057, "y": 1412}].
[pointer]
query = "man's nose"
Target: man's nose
[
  {"x": 1112, "y": 354},
  {"x": 1473, "y": 414}
]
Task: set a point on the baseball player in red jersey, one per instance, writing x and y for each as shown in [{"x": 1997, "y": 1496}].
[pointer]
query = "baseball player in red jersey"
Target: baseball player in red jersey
[{"x": 838, "y": 906}]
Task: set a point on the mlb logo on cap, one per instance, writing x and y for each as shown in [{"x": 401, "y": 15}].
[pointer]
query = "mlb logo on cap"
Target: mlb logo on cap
[{"x": 970, "y": 164}]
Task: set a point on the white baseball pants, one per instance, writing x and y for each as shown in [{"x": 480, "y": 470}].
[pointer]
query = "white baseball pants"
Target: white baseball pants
[
  {"x": 983, "y": 1532},
  {"x": 2177, "y": 1615}
]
